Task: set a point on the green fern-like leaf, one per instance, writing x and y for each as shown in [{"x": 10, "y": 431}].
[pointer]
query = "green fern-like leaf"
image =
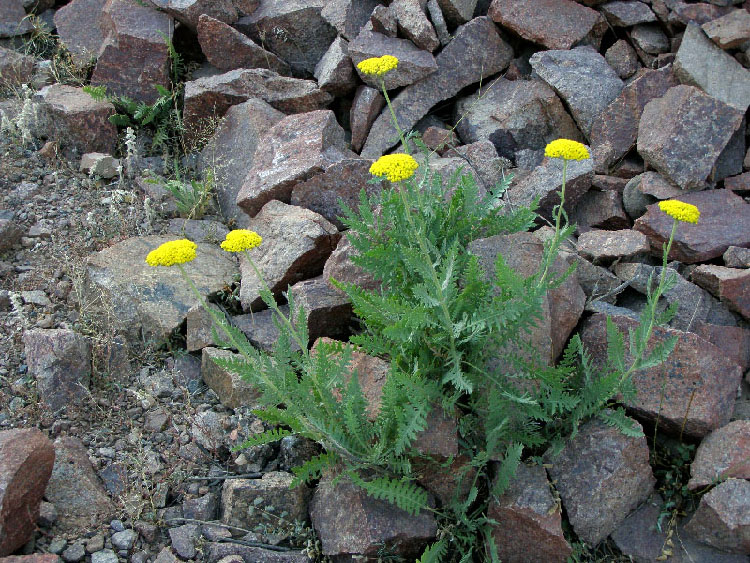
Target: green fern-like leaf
[
  {"x": 266, "y": 437},
  {"x": 434, "y": 552},
  {"x": 312, "y": 469},
  {"x": 407, "y": 496}
]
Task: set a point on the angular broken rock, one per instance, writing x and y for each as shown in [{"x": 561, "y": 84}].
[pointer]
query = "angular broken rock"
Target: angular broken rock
[
  {"x": 514, "y": 115},
  {"x": 582, "y": 78},
  {"x": 414, "y": 25},
  {"x": 602, "y": 210},
  {"x": 349, "y": 522},
  {"x": 601, "y": 475},
  {"x": 151, "y": 302},
  {"x": 457, "y": 12},
  {"x": 226, "y": 552},
  {"x": 734, "y": 341},
  {"x": 60, "y": 361},
  {"x": 731, "y": 285},
  {"x": 75, "y": 490},
  {"x": 529, "y": 520},
  {"x": 260, "y": 328},
  {"x": 477, "y": 51},
  {"x": 606, "y": 246},
  {"x": 724, "y": 453},
  {"x": 348, "y": 16},
  {"x": 15, "y": 68},
  {"x": 692, "y": 391},
  {"x": 627, "y": 13},
  {"x": 340, "y": 267},
  {"x": 326, "y": 311},
  {"x": 365, "y": 109},
  {"x": 731, "y": 31},
  {"x": 697, "y": 14},
  {"x": 232, "y": 390},
  {"x": 134, "y": 57},
  {"x": 724, "y": 222},
  {"x": 189, "y": 12},
  {"x": 10, "y": 233},
  {"x": 334, "y": 72},
  {"x": 199, "y": 327},
  {"x": 650, "y": 39},
  {"x": 296, "y": 149},
  {"x": 383, "y": 20},
  {"x": 26, "y": 460},
  {"x": 296, "y": 244},
  {"x": 228, "y": 49},
  {"x": 623, "y": 58},
  {"x": 556, "y": 24},
  {"x": 702, "y": 63},
  {"x": 737, "y": 257},
  {"x": 13, "y": 20},
  {"x": 723, "y": 517},
  {"x": 413, "y": 63}
]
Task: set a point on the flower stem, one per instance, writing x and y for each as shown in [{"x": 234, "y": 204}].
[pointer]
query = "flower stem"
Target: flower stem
[{"x": 393, "y": 115}]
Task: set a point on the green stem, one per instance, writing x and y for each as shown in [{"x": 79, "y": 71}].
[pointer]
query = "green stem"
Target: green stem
[
  {"x": 393, "y": 115},
  {"x": 558, "y": 212}
]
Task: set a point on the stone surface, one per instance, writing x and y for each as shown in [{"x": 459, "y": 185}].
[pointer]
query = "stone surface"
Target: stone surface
[
  {"x": 293, "y": 29},
  {"x": 230, "y": 152},
  {"x": 26, "y": 459},
  {"x": 327, "y": 312},
  {"x": 723, "y": 517},
  {"x": 296, "y": 149},
  {"x": 33, "y": 558},
  {"x": 365, "y": 109},
  {"x": 692, "y": 391},
  {"x": 477, "y": 51},
  {"x": 731, "y": 31},
  {"x": 614, "y": 132},
  {"x": 240, "y": 506},
  {"x": 183, "y": 540},
  {"x": 149, "y": 303},
  {"x": 627, "y": 13},
  {"x": 198, "y": 230},
  {"x": 556, "y": 24},
  {"x": 457, "y": 12},
  {"x": 216, "y": 552},
  {"x": 60, "y": 361},
  {"x": 76, "y": 121},
  {"x": 600, "y": 209},
  {"x": 701, "y": 63},
  {"x": 134, "y": 57},
  {"x": 348, "y": 16},
  {"x": 334, "y": 72},
  {"x": 414, "y": 64},
  {"x": 199, "y": 325},
  {"x": 724, "y": 453},
  {"x": 383, "y": 20},
  {"x": 414, "y": 25},
  {"x": 724, "y": 222},
  {"x": 697, "y": 14},
  {"x": 261, "y": 329},
  {"x": 514, "y": 115},
  {"x": 582, "y": 78},
  {"x": 99, "y": 164},
  {"x": 731, "y": 285},
  {"x": 622, "y": 58},
  {"x": 228, "y": 49},
  {"x": 15, "y": 68},
  {"x": 10, "y": 233},
  {"x": 340, "y": 267},
  {"x": 605, "y": 246},
  {"x": 296, "y": 244},
  {"x": 189, "y": 12},
  {"x": 601, "y": 475},
  {"x": 734, "y": 341},
  {"x": 231, "y": 389},
  {"x": 737, "y": 257},
  {"x": 739, "y": 183},
  {"x": 12, "y": 19},
  {"x": 650, "y": 39},
  {"x": 75, "y": 490},
  {"x": 348, "y": 522},
  {"x": 646, "y": 188},
  {"x": 529, "y": 520}
]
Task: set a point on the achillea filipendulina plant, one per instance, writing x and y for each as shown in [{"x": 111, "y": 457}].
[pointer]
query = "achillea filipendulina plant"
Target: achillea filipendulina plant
[
  {"x": 378, "y": 66},
  {"x": 680, "y": 211},
  {"x": 394, "y": 167}
]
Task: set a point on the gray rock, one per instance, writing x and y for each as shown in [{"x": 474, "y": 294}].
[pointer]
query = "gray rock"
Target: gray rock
[
  {"x": 124, "y": 540},
  {"x": 413, "y": 23},
  {"x": 627, "y": 13},
  {"x": 198, "y": 230},
  {"x": 723, "y": 517},
  {"x": 232, "y": 390},
  {"x": 384, "y": 21},
  {"x": 603, "y": 210},
  {"x": 188, "y": 12},
  {"x": 15, "y": 68},
  {"x": 218, "y": 552},
  {"x": 365, "y": 109},
  {"x": 722, "y": 454},
  {"x": 200, "y": 327},
  {"x": 457, "y": 12},
  {"x": 623, "y": 58},
  {"x": 183, "y": 540},
  {"x": 207, "y": 430},
  {"x": 201, "y": 508},
  {"x": 260, "y": 328},
  {"x": 334, "y": 72},
  {"x": 73, "y": 553},
  {"x": 650, "y": 39},
  {"x": 582, "y": 78},
  {"x": 104, "y": 556},
  {"x": 477, "y": 51},
  {"x": 10, "y": 233},
  {"x": 606, "y": 246},
  {"x": 327, "y": 311},
  {"x": 737, "y": 257},
  {"x": 348, "y": 16},
  {"x": 731, "y": 31},
  {"x": 12, "y": 19},
  {"x": 702, "y": 63}
]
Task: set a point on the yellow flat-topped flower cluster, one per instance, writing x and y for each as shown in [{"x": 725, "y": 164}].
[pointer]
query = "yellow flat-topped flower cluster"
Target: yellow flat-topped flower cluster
[
  {"x": 378, "y": 66},
  {"x": 685, "y": 212},
  {"x": 241, "y": 239},
  {"x": 173, "y": 252},
  {"x": 394, "y": 167},
  {"x": 567, "y": 149}
]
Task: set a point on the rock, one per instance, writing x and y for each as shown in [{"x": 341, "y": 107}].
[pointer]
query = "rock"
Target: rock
[
  {"x": 701, "y": 63},
  {"x": 200, "y": 327},
  {"x": 33, "y": 558},
  {"x": 598, "y": 283},
  {"x": 13, "y": 20},
  {"x": 327, "y": 312},
  {"x": 10, "y": 233},
  {"x": 724, "y": 222},
  {"x": 697, "y": 14},
  {"x": 198, "y": 230},
  {"x": 183, "y": 540},
  {"x": 228, "y": 49},
  {"x": 340, "y": 182},
  {"x": 739, "y": 183},
  {"x": 457, "y": 12},
  {"x": 210, "y": 97},
  {"x": 349, "y": 522},
  {"x": 77, "y": 24},
  {"x": 481, "y": 160},
  {"x": 232, "y": 390},
  {"x": 74, "y": 553},
  {"x": 230, "y": 152},
  {"x": 737, "y": 257},
  {"x": 476, "y": 52},
  {"x": 348, "y": 16},
  {"x": 627, "y": 13},
  {"x": 582, "y": 78},
  {"x": 334, "y": 72},
  {"x": 723, "y": 517},
  {"x": 134, "y": 57},
  {"x": 47, "y": 513},
  {"x": 384, "y": 21},
  {"x": 561, "y": 307},
  {"x": 75, "y": 490},
  {"x": 340, "y": 267},
  {"x": 189, "y": 12},
  {"x": 261, "y": 329},
  {"x": 150, "y": 303},
  {"x": 724, "y": 453},
  {"x": 124, "y": 540},
  {"x": 98, "y": 164},
  {"x": 76, "y": 121},
  {"x": 556, "y": 24},
  {"x": 650, "y": 39},
  {"x": 602, "y": 210},
  {"x": 414, "y": 64},
  {"x": 514, "y": 115},
  {"x": 296, "y": 149},
  {"x": 246, "y": 502},
  {"x": 601, "y": 475},
  {"x": 692, "y": 391},
  {"x": 365, "y": 109},
  {"x": 440, "y": 140},
  {"x": 644, "y": 189},
  {"x": 622, "y": 58},
  {"x": 221, "y": 553},
  {"x": 15, "y": 68},
  {"x": 731, "y": 285},
  {"x": 731, "y": 31},
  {"x": 293, "y": 29},
  {"x": 734, "y": 341},
  {"x": 201, "y": 508},
  {"x": 545, "y": 181},
  {"x": 615, "y": 131},
  {"x": 414, "y": 25},
  {"x": 606, "y": 246},
  {"x": 60, "y": 361},
  {"x": 529, "y": 520},
  {"x": 26, "y": 459}
]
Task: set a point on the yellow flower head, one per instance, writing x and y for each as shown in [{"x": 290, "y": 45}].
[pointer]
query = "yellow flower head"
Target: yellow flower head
[
  {"x": 395, "y": 167},
  {"x": 241, "y": 239},
  {"x": 378, "y": 66},
  {"x": 685, "y": 212},
  {"x": 172, "y": 252},
  {"x": 567, "y": 149}
]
